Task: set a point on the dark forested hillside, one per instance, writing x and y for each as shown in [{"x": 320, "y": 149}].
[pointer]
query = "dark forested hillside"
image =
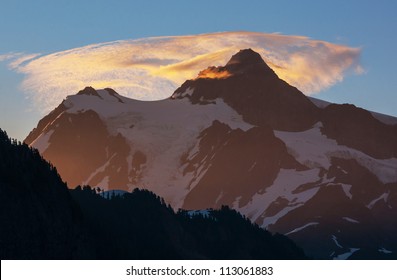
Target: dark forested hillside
[
  {"x": 37, "y": 215},
  {"x": 41, "y": 219},
  {"x": 139, "y": 225}
]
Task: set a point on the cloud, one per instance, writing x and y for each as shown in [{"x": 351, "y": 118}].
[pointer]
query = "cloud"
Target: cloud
[
  {"x": 10, "y": 56},
  {"x": 21, "y": 59},
  {"x": 17, "y": 59},
  {"x": 152, "y": 68}
]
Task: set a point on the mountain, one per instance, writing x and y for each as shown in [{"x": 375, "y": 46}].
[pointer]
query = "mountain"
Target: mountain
[
  {"x": 323, "y": 174},
  {"x": 41, "y": 219}
]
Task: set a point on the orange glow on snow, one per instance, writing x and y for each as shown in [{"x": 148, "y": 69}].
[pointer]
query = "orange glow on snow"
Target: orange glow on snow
[{"x": 213, "y": 73}]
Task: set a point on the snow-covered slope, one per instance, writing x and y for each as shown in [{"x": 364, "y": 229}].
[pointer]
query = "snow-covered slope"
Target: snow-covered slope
[
  {"x": 159, "y": 132},
  {"x": 324, "y": 174}
]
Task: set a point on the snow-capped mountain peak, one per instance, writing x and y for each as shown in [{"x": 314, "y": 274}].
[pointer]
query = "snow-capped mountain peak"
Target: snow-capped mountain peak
[{"x": 238, "y": 136}]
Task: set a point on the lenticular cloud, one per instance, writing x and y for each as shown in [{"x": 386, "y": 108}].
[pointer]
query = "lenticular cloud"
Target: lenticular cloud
[{"x": 152, "y": 68}]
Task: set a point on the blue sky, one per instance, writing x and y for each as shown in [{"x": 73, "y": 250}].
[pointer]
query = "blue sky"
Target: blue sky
[{"x": 47, "y": 27}]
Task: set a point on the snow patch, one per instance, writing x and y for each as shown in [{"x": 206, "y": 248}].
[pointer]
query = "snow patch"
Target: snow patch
[
  {"x": 345, "y": 256},
  {"x": 302, "y": 227},
  {"x": 343, "y": 171},
  {"x": 42, "y": 142},
  {"x": 373, "y": 202},
  {"x": 351, "y": 220},
  {"x": 346, "y": 189},
  {"x": 385, "y": 251},
  {"x": 236, "y": 203},
  {"x": 336, "y": 241},
  {"x": 219, "y": 197},
  {"x": 313, "y": 149},
  {"x": 252, "y": 167},
  {"x": 98, "y": 170},
  {"x": 283, "y": 187},
  {"x": 104, "y": 183}
]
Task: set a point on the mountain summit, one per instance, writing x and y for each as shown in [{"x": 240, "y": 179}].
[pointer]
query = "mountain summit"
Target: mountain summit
[
  {"x": 238, "y": 135},
  {"x": 248, "y": 62},
  {"x": 253, "y": 90},
  {"x": 245, "y": 62},
  {"x": 88, "y": 91}
]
